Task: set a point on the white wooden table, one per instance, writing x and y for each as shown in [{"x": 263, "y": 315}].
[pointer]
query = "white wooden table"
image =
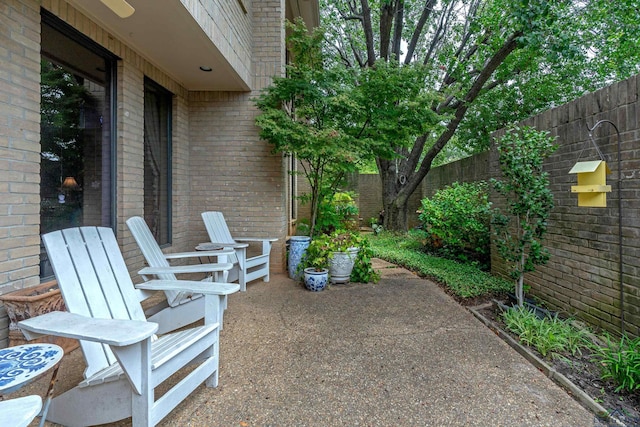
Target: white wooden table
[{"x": 22, "y": 364}]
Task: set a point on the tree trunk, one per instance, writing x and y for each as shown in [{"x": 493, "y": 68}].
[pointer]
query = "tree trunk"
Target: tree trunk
[
  {"x": 394, "y": 202},
  {"x": 395, "y": 215}
]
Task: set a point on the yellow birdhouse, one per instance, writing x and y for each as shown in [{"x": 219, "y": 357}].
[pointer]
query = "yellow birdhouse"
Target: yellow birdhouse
[{"x": 592, "y": 185}]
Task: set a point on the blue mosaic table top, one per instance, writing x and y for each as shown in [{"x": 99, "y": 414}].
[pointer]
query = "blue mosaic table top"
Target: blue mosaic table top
[{"x": 22, "y": 364}]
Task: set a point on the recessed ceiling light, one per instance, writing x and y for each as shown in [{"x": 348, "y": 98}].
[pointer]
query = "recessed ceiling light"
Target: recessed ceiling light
[{"x": 206, "y": 69}]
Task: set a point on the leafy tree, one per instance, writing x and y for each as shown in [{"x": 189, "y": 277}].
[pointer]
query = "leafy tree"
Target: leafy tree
[
  {"x": 307, "y": 114},
  {"x": 486, "y": 63},
  {"x": 319, "y": 114},
  {"x": 528, "y": 199},
  {"x": 62, "y": 142}
]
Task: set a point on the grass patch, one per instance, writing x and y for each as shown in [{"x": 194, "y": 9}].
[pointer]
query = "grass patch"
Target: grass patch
[{"x": 462, "y": 280}]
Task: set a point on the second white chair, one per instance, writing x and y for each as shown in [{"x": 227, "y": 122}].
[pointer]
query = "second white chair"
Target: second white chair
[
  {"x": 246, "y": 268},
  {"x": 182, "y": 308}
]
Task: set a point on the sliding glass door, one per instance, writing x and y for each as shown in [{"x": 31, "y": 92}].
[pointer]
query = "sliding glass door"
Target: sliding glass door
[{"x": 76, "y": 183}]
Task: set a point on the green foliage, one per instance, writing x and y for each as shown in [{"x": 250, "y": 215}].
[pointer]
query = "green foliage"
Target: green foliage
[
  {"x": 621, "y": 362},
  {"x": 548, "y": 335},
  {"x": 317, "y": 253},
  {"x": 528, "y": 200},
  {"x": 337, "y": 212},
  {"x": 302, "y": 227},
  {"x": 456, "y": 220},
  {"x": 395, "y": 107},
  {"x": 363, "y": 271},
  {"x": 463, "y": 280},
  {"x": 308, "y": 114},
  {"x": 322, "y": 247},
  {"x": 62, "y": 138}
]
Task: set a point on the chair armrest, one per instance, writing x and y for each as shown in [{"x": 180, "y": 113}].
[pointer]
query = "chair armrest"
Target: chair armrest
[
  {"x": 207, "y": 288},
  {"x": 199, "y": 254},
  {"x": 195, "y": 268},
  {"x": 230, "y": 245},
  {"x": 116, "y": 332},
  {"x": 19, "y": 411},
  {"x": 256, "y": 239}
]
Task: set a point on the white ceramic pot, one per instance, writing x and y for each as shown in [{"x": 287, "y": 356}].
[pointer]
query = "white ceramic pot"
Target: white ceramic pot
[{"x": 341, "y": 265}]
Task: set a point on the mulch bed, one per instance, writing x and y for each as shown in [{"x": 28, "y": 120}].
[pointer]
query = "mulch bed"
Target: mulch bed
[{"x": 583, "y": 371}]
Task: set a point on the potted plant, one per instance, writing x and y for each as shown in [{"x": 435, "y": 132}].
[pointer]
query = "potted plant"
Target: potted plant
[
  {"x": 314, "y": 264},
  {"x": 345, "y": 254},
  {"x": 343, "y": 250},
  {"x": 31, "y": 302}
]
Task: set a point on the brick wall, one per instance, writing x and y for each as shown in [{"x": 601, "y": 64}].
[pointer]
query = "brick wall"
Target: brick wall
[
  {"x": 218, "y": 160},
  {"x": 19, "y": 148},
  {"x": 582, "y": 276}
]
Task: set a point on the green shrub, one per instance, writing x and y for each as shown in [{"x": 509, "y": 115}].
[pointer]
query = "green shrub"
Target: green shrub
[
  {"x": 548, "y": 335},
  {"x": 621, "y": 362},
  {"x": 456, "y": 220}
]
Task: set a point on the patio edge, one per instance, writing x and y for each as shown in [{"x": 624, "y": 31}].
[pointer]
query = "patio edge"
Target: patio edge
[{"x": 577, "y": 393}]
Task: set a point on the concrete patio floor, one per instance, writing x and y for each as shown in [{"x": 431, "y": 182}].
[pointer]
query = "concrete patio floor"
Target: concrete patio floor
[{"x": 397, "y": 353}]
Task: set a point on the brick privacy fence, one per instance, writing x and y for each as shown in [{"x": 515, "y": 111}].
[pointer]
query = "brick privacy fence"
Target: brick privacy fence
[{"x": 582, "y": 275}]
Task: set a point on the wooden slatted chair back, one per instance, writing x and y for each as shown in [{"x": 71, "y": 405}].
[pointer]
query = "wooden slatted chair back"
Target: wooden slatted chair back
[
  {"x": 94, "y": 281},
  {"x": 217, "y": 227},
  {"x": 218, "y": 230},
  {"x": 154, "y": 256}
]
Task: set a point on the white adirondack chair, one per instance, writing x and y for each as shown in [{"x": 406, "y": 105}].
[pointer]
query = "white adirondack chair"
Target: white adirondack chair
[
  {"x": 125, "y": 361},
  {"x": 181, "y": 308},
  {"x": 19, "y": 412},
  {"x": 245, "y": 268}
]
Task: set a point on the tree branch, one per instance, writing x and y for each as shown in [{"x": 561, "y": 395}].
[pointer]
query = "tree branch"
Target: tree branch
[
  {"x": 492, "y": 64},
  {"x": 398, "y": 26},
  {"x": 426, "y": 12},
  {"x": 386, "y": 22},
  {"x": 368, "y": 32}
]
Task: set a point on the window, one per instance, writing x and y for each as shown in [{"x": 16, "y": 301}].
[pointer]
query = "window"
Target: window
[
  {"x": 76, "y": 185},
  {"x": 157, "y": 161}
]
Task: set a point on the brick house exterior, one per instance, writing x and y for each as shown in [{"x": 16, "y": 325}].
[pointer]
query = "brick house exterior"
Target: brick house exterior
[{"x": 218, "y": 161}]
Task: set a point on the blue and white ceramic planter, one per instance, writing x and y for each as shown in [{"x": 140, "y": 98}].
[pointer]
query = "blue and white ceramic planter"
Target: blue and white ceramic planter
[
  {"x": 315, "y": 280},
  {"x": 297, "y": 247}
]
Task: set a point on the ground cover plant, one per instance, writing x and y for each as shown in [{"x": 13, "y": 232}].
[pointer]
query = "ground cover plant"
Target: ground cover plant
[
  {"x": 603, "y": 367},
  {"x": 466, "y": 282},
  {"x": 620, "y": 362}
]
